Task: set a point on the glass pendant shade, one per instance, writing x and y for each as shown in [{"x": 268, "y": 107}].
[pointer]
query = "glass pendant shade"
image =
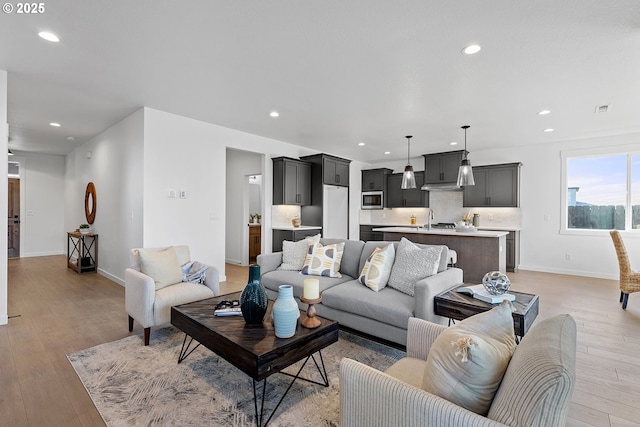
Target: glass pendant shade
[
  {"x": 408, "y": 178},
  {"x": 465, "y": 173}
]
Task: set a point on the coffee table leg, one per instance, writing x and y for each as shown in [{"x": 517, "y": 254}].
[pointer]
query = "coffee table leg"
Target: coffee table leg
[
  {"x": 184, "y": 352},
  {"x": 322, "y": 372}
]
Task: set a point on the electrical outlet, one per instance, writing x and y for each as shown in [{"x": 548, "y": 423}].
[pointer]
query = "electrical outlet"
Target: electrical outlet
[
  {"x": 183, "y": 194},
  {"x": 567, "y": 257},
  {"x": 171, "y": 194},
  {"x": 547, "y": 217}
]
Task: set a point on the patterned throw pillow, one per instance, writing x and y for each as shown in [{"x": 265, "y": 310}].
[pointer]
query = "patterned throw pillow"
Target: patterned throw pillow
[
  {"x": 323, "y": 260},
  {"x": 413, "y": 263},
  {"x": 294, "y": 253},
  {"x": 467, "y": 361},
  {"x": 377, "y": 269}
]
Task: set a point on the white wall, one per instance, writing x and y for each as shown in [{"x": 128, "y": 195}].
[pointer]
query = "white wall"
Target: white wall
[
  {"x": 115, "y": 167},
  {"x": 186, "y": 154},
  {"x": 240, "y": 164},
  {"x": 42, "y": 204},
  {"x": 4, "y": 136}
]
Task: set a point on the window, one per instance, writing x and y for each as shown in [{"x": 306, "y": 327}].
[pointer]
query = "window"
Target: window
[{"x": 602, "y": 192}]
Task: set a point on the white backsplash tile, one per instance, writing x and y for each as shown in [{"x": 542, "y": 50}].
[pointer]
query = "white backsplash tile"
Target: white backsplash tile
[{"x": 281, "y": 215}]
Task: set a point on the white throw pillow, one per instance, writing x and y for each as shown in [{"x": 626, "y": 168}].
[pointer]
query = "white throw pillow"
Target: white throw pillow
[
  {"x": 377, "y": 269},
  {"x": 413, "y": 263},
  {"x": 162, "y": 266},
  {"x": 323, "y": 260},
  {"x": 294, "y": 253},
  {"x": 467, "y": 361}
]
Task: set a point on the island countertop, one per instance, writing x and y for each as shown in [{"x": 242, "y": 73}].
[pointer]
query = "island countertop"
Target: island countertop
[{"x": 442, "y": 232}]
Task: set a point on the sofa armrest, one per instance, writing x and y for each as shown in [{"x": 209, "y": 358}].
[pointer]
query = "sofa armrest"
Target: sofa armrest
[
  {"x": 269, "y": 262},
  {"x": 139, "y": 291},
  {"x": 420, "y": 336},
  {"x": 211, "y": 277},
  {"x": 369, "y": 397},
  {"x": 427, "y": 288}
]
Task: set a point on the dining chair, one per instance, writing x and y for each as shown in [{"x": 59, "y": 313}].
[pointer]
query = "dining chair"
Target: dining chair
[{"x": 629, "y": 279}]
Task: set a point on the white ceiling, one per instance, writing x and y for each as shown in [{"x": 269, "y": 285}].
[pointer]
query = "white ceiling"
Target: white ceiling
[{"x": 338, "y": 71}]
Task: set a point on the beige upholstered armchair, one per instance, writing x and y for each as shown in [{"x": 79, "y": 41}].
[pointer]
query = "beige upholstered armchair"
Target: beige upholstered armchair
[
  {"x": 155, "y": 281},
  {"x": 535, "y": 390}
]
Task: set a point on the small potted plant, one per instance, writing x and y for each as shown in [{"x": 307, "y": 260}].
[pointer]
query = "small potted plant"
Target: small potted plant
[
  {"x": 84, "y": 228},
  {"x": 258, "y": 218},
  {"x": 252, "y": 218}
]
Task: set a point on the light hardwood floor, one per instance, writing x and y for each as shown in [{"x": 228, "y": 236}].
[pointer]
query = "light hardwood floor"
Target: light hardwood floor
[{"x": 61, "y": 312}]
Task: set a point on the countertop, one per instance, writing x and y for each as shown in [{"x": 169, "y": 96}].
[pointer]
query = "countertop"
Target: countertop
[
  {"x": 414, "y": 230},
  {"x": 482, "y": 227},
  {"x": 302, "y": 227}
]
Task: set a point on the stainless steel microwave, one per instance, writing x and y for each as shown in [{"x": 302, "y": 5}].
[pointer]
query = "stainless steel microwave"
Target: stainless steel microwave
[{"x": 372, "y": 200}]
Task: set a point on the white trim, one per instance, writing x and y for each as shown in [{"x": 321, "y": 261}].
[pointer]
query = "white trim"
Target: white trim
[
  {"x": 37, "y": 254},
  {"x": 111, "y": 277},
  {"x": 567, "y": 271}
]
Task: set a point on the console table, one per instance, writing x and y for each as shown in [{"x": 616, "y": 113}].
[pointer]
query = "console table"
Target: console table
[{"x": 82, "y": 252}]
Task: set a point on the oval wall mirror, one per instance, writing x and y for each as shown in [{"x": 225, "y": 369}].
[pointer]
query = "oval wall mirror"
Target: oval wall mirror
[{"x": 90, "y": 203}]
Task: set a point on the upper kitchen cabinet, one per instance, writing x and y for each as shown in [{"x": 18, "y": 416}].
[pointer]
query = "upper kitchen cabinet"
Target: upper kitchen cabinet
[
  {"x": 291, "y": 182},
  {"x": 375, "y": 179},
  {"x": 335, "y": 170},
  {"x": 496, "y": 186},
  {"x": 398, "y": 198},
  {"x": 442, "y": 167}
]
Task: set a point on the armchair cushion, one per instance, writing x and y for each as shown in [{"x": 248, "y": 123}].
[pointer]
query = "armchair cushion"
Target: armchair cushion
[
  {"x": 162, "y": 266},
  {"x": 467, "y": 361}
]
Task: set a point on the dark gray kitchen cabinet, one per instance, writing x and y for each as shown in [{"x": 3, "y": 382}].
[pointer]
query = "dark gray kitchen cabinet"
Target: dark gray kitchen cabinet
[
  {"x": 335, "y": 171},
  {"x": 413, "y": 198},
  {"x": 367, "y": 234},
  {"x": 291, "y": 235},
  {"x": 442, "y": 167},
  {"x": 291, "y": 182},
  {"x": 495, "y": 186},
  {"x": 375, "y": 179}
]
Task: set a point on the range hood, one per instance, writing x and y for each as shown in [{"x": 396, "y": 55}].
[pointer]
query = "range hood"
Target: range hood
[{"x": 445, "y": 186}]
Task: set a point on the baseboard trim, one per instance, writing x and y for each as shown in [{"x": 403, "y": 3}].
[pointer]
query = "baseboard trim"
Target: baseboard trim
[
  {"x": 4, "y": 320},
  {"x": 36, "y": 254},
  {"x": 111, "y": 277},
  {"x": 569, "y": 272},
  {"x": 233, "y": 261}
]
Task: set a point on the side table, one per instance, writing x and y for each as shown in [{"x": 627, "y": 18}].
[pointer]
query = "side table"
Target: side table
[
  {"x": 82, "y": 252},
  {"x": 459, "y": 306}
]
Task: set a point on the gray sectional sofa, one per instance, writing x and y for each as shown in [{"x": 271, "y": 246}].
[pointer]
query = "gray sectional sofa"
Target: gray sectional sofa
[{"x": 383, "y": 314}]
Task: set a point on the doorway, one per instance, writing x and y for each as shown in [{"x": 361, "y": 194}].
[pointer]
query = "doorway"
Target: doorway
[{"x": 13, "y": 217}]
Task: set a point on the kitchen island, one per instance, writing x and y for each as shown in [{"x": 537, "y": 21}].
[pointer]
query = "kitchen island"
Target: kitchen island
[{"x": 479, "y": 252}]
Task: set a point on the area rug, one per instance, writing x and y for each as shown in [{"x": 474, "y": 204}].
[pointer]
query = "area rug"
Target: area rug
[{"x": 134, "y": 385}]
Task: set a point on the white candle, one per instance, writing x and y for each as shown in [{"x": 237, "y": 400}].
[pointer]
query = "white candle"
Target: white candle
[{"x": 311, "y": 289}]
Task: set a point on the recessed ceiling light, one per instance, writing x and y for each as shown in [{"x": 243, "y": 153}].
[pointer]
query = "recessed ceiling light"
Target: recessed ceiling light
[
  {"x": 543, "y": 112},
  {"x": 274, "y": 114},
  {"x": 548, "y": 130},
  {"x": 361, "y": 143},
  {"x": 602, "y": 108},
  {"x": 54, "y": 124},
  {"x": 471, "y": 49},
  {"x": 70, "y": 138},
  {"x": 453, "y": 143},
  {"x": 387, "y": 152},
  {"x": 49, "y": 36}
]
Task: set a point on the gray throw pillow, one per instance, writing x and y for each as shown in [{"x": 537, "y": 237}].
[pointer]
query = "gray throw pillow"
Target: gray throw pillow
[
  {"x": 294, "y": 253},
  {"x": 412, "y": 264}
]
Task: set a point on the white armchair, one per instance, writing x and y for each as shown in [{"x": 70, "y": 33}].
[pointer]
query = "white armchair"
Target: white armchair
[
  {"x": 150, "y": 306},
  {"x": 535, "y": 390}
]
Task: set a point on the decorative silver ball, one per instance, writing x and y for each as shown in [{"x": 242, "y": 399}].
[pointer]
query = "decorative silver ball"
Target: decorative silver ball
[{"x": 496, "y": 283}]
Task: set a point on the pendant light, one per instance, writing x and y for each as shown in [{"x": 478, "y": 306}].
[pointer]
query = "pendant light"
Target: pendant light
[
  {"x": 465, "y": 173},
  {"x": 408, "y": 177}
]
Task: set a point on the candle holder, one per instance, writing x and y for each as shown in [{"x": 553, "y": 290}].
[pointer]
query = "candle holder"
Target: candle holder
[{"x": 310, "y": 321}]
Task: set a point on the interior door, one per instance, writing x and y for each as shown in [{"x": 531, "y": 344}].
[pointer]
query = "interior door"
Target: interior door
[{"x": 13, "y": 220}]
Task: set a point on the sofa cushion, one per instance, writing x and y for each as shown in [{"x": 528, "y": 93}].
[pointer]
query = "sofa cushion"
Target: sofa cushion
[
  {"x": 413, "y": 263},
  {"x": 408, "y": 370},
  {"x": 387, "y": 306},
  {"x": 273, "y": 279},
  {"x": 540, "y": 378},
  {"x": 350, "y": 264},
  {"x": 377, "y": 269},
  {"x": 162, "y": 266},
  {"x": 467, "y": 361},
  {"x": 371, "y": 245},
  {"x": 294, "y": 253},
  {"x": 323, "y": 260}
]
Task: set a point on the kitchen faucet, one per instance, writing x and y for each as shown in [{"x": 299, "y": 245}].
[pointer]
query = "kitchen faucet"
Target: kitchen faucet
[{"x": 429, "y": 219}]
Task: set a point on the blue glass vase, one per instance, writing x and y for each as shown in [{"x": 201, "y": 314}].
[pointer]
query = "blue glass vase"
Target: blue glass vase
[
  {"x": 253, "y": 300},
  {"x": 285, "y": 313}
]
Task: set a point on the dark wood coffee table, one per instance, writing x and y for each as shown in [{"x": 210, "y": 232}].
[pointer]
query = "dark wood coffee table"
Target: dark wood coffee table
[
  {"x": 459, "y": 306},
  {"x": 254, "y": 349}
]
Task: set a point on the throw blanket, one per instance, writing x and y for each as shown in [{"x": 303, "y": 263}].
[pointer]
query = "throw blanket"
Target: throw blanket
[{"x": 194, "y": 272}]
